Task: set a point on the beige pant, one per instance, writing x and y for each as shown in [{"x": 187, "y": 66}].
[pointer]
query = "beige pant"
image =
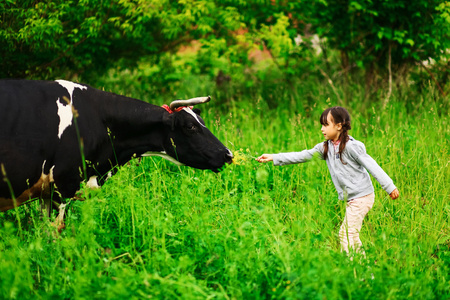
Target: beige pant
[{"x": 355, "y": 212}]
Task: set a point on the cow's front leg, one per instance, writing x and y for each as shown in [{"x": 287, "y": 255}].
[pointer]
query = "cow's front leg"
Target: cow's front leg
[
  {"x": 59, "y": 223},
  {"x": 46, "y": 207}
]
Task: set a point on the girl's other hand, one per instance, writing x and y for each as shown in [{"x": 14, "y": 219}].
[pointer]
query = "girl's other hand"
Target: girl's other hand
[
  {"x": 265, "y": 158},
  {"x": 394, "y": 194}
]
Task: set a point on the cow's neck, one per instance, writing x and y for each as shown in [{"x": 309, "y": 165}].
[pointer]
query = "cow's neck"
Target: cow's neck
[{"x": 135, "y": 127}]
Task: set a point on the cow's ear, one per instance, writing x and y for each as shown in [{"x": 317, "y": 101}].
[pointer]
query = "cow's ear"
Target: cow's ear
[{"x": 197, "y": 111}]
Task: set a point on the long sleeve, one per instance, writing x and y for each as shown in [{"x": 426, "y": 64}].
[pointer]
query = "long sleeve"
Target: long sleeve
[
  {"x": 358, "y": 153},
  {"x": 281, "y": 159}
]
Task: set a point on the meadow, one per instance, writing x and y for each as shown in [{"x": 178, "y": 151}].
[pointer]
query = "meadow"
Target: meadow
[{"x": 252, "y": 231}]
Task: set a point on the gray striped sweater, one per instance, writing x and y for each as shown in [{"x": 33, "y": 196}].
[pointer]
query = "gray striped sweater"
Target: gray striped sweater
[{"x": 351, "y": 179}]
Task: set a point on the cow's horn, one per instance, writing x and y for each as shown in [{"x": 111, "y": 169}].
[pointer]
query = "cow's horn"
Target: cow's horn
[{"x": 189, "y": 102}]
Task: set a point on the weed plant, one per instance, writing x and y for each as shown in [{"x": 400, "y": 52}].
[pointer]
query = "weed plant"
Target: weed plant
[{"x": 253, "y": 231}]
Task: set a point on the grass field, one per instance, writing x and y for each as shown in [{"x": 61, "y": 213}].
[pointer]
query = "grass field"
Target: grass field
[{"x": 253, "y": 231}]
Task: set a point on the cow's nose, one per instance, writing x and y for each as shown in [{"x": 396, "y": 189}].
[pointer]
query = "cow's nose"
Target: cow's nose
[{"x": 229, "y": 156}]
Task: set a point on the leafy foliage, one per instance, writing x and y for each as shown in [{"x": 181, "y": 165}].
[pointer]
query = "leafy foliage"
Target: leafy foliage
[
  {"x": 364, "y": 30},
  {"x": 85, "y": 38},
  {"x": 71, "y": 37}
]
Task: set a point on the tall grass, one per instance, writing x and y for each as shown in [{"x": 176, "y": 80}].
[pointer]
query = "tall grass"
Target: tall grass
[{"x": 253, "y": 231}]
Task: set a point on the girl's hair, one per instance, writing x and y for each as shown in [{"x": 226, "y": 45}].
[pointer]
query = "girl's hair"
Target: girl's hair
[{"x": 338, "y": 115}]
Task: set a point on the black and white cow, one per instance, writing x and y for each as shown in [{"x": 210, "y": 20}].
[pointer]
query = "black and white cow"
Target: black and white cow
[{"x": 45, "y": 124}]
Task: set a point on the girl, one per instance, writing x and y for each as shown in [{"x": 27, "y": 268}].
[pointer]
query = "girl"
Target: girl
[{"x": 347, "y": 161}]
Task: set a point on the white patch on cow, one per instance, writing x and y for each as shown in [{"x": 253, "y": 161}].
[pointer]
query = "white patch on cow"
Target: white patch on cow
[
  {"x": 92, "y": 183},
  {"x": 189, "y": 111},
  {"x": 164, "y": 155},
  {"x": 65, "y": 116},
  {"x": 65, "y": 109}
]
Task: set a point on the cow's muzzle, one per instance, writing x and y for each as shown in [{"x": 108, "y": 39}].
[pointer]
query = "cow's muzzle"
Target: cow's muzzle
[{"x": 229, "y": 157}]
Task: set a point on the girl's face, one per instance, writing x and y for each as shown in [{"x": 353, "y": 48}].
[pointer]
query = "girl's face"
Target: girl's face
[{"x": 331, "y": 131}]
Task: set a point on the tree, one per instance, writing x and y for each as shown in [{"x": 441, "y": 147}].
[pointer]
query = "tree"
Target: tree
[
  {"x": 371, "y": 33},
  {"x": 63, "y": 38},
  {"x": 85, "y": 38}
]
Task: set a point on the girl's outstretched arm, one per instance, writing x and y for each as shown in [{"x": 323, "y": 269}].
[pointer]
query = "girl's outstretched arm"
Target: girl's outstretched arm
[{"x": 265, "y": 158}]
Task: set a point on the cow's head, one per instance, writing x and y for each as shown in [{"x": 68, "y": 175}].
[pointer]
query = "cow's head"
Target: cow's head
[{"x": 189, "y": 141}]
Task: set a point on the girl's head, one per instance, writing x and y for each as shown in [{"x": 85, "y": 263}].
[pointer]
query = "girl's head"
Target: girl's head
[
  {"x": 335, "y": 125},
  {"x": 335, "y": 121}
]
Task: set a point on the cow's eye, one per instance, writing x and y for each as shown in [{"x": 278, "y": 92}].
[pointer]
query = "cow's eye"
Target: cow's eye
[{"x": 192, "y": 127}]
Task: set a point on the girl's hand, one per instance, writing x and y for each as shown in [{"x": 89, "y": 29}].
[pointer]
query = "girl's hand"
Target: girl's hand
[
  {"x": 394, "y": 194},
  {"x": 265, "y": 158}
]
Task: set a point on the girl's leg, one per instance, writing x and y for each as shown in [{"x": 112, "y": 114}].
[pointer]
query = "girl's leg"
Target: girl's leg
[{"x": 355, "y": 212}]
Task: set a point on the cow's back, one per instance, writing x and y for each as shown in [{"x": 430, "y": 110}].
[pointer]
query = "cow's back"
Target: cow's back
[{"x": 28, "y": 107}]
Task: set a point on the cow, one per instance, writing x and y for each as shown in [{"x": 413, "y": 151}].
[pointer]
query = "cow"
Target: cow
[{"x": 55, "y": 134}]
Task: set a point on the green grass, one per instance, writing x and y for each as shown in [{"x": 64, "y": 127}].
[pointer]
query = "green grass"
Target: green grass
[{"x": 253, "y": 231}]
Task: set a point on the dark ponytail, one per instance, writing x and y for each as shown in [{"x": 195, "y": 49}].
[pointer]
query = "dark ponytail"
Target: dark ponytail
[{"x": 338, "y": 115}]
